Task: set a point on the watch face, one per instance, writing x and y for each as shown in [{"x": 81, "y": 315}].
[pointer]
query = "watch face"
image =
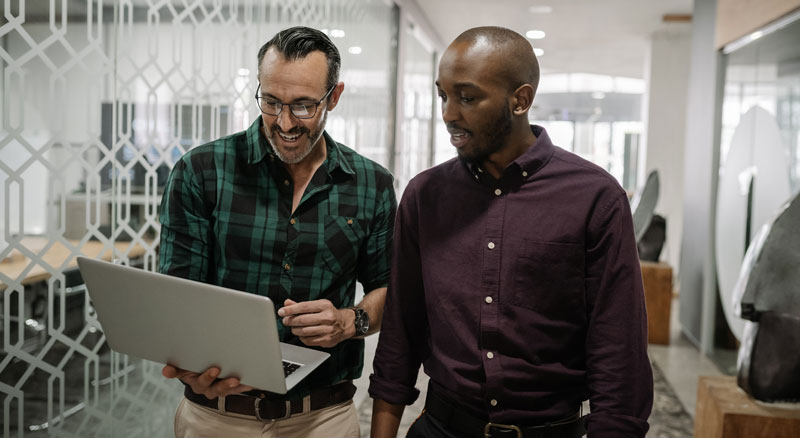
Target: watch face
[{"x": 362, "y": 321}]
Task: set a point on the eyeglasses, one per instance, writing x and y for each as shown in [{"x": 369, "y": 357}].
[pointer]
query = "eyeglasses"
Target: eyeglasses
[{"x": 301, "y": 110}]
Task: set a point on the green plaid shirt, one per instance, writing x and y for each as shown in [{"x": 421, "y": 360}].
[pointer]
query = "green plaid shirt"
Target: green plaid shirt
[{"x": 226, "y": 219}]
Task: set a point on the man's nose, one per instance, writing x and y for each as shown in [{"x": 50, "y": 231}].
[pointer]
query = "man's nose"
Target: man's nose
[
  {"x": 286, "y": 121},
  {"x": 449, "y": 112}
]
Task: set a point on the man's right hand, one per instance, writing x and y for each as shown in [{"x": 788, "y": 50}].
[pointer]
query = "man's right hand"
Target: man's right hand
[{"x": 204, "y": 383}]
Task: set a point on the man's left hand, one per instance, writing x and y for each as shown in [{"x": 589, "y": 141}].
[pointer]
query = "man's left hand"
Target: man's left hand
[{"x": 318, "y": 322}]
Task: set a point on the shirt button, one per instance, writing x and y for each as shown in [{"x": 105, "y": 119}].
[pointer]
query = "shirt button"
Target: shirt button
[
  {"x": 490, "y": 355},
  {"x": 524, "y": 173},
  {"x": 498, "y": 192},
  {"x": 349, "y": 222},
  {"x": 489, "y": 300},
  {"x": 287, "y": 267},
  {"x": 491, "y": 245},
  {"x": 493, "y": 402},
  {"x": 286, "y": 182},
  {"x": 292, "y": 221}
]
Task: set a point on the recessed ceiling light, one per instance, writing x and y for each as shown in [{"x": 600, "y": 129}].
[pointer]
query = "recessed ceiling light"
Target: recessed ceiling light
[
  {"x": 337, "y": 33},
  {"x": 598, "y": 95},
  {"x": 244, "y": 72},
  {"x": 538, "y": 52},
  {"x": 540, "y": 9},
  {"x": 355, "y": 50},
  {"x": 535, "y": 34}
]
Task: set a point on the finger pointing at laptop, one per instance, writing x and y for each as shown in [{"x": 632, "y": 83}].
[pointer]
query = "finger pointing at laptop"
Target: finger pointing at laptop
[{"x": 318, "y": 322}]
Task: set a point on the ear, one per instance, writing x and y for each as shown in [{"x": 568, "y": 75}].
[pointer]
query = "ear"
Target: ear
[
  {"x": 522, "y": 99},
  {"x": 333, "y": 100}
]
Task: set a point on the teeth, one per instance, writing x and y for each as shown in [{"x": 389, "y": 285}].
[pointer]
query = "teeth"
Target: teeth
[{"x": 289, "y": 138}]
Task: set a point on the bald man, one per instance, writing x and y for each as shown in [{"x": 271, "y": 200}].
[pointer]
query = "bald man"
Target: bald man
[{"x": 515, "y": 278}]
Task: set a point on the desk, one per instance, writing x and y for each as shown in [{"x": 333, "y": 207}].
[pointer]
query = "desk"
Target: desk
[
  {"x": 75, "y": 209},
  {"x": 725, "y": 411},
  {"x": 56, "y": 256}
]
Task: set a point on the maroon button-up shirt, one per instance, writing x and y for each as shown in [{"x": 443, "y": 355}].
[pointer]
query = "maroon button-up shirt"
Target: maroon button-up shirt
[{"x": 520, "y": 296}]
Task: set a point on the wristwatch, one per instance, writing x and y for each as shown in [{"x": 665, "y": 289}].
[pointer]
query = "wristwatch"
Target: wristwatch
[{"x": 361, "y": 322}]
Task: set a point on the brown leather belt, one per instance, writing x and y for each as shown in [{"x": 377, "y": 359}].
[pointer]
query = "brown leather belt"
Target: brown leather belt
[{"x": 261, "y": 408}]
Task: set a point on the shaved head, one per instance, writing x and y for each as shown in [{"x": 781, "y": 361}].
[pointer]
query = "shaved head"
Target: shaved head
[
  {"x": 487, "y": 82},
  {"x": 510, "y": 54}
]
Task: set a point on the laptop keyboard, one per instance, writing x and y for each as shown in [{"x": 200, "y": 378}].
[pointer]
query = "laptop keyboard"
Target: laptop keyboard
[{"x": 289, "y": 368}]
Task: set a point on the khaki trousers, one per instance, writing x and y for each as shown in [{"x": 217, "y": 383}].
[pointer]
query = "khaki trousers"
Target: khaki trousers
[{"x": 195, "y": 421}]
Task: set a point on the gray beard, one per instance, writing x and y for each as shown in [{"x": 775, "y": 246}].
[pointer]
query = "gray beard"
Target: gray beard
[{"x": 311, "y": 144}]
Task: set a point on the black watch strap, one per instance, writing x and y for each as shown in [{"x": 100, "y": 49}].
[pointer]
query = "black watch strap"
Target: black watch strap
[{"x": 361, "y": 322}]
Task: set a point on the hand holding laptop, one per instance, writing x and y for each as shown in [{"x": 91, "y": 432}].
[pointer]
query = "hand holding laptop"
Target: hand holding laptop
[
  {"x": 318, "y": 322},
  {"x": 204, "y": 383}
]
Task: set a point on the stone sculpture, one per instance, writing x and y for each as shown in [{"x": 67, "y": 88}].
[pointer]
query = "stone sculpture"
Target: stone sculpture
[{"x": 767, "y": 295}]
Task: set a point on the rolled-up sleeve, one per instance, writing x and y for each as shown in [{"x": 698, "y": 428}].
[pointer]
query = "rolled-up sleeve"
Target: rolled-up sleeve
[
  {"x": 619, "y": 376},
  {"x": 404, "y": 329}
]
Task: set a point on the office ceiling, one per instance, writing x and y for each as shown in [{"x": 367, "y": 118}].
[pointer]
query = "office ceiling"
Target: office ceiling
[{"x": 590, "y": 36}]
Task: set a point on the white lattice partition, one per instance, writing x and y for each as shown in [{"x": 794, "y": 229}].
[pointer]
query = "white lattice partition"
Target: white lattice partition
[{"x": 99, "y": 99}]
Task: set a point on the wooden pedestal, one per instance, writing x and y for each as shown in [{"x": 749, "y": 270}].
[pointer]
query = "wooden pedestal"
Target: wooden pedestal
[
  {"x": 725, "y": 411},
  {"x": 657, "y": 279}
]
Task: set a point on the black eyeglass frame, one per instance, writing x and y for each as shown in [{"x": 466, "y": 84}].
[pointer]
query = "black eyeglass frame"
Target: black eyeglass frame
[{"x": 291, "y": 105}]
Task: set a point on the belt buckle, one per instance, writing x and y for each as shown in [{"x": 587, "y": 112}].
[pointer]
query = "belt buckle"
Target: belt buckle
[
  {"x": 257, "y": 407},
  {"x": 487, "y": 430}
]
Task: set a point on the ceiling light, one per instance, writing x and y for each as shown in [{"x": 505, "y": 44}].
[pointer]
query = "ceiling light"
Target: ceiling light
[
  {"x": 244, "y": 72},
  {"x": 540, "y": 9},
  {"x": 337, "y": 33},
  {"x": 535, "y": 34},
  {"x": 355, "y": 50},
  {"x": 538, "y": 52},
  {"x": 598, "y": 95}
]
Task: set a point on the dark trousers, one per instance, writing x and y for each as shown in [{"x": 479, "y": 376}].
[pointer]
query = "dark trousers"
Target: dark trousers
[{"x": 428, "y": 427}]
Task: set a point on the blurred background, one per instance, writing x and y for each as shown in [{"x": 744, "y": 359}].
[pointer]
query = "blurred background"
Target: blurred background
[{"x": 100, "y": 98}]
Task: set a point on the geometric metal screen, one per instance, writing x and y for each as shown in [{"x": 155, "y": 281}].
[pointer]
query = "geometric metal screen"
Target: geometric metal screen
[{"x": 99, "y": 99}]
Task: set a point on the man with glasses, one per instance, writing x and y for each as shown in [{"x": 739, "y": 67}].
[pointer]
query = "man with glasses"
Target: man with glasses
[{"x": 283, "y": 210}]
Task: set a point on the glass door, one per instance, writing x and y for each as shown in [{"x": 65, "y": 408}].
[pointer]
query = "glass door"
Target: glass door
[{"x": 99, "y": 100}]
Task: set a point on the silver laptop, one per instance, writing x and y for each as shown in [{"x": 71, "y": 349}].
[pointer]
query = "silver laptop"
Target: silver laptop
[{"x": 194, "y": 326}]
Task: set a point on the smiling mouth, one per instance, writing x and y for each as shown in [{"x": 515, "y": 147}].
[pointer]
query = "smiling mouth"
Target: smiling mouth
[
  {"x": 459, "y": 139},
  {"x": 289, "y": 138}
]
